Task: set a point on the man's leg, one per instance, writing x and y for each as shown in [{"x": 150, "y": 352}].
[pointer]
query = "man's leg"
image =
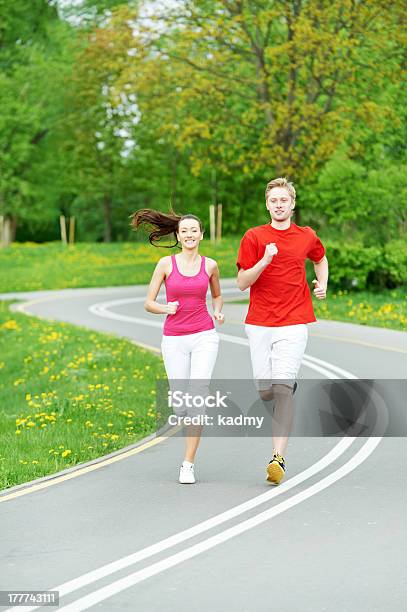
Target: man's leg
[
  {"x": 260, "y": 341},
  {"x": 282, "y": 418},
  {"x": 287, "y": 353}
]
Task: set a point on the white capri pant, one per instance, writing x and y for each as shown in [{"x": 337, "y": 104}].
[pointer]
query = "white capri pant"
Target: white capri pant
[
  {"x": 192, "y": 356},
  {"x": 188, "y": 358},
  {"x": 276, "y": 353}
]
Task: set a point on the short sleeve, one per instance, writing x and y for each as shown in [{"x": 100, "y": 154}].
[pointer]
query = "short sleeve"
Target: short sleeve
[
  {"x": 248, "y": 252},
  {"x": 316, "y": 250}
]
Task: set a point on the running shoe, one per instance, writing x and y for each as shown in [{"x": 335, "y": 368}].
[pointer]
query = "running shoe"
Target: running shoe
[
  {"x": 186, "y": 474},
  {"x": 276, "y": 469}
]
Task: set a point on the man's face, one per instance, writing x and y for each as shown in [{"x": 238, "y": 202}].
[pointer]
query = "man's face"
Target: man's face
[{"x": 279, "y": 203}]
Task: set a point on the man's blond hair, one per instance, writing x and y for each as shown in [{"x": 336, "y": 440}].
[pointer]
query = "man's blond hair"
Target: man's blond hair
[{"x": 281, "y": 182}]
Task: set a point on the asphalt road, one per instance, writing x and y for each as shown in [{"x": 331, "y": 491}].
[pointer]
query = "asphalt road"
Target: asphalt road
[{"x": 124, "y": 535}]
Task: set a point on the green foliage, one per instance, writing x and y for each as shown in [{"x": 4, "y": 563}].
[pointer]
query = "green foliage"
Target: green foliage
[
  {"x": 392, "y": 269},
  {"x": 205, "y": 107},
  {"x": 368, "y": 204},
  {"x": 354, "y": 266}
]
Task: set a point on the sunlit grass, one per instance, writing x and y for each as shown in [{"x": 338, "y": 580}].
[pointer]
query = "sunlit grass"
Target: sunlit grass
[
  {"x": 387, "y": 309},
  {"x": 68, "y": 395},
  {"x": 34, "y": 267}
]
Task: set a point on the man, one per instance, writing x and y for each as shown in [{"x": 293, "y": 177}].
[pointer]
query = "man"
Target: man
[{"x": 271, "y": 261}]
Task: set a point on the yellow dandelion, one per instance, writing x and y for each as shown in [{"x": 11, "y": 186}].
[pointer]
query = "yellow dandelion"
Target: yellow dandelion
[{"x": 11, "y": 324}]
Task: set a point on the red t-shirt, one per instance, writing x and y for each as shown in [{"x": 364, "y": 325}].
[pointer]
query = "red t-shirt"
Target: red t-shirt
[{"x": 281, "y": 295}]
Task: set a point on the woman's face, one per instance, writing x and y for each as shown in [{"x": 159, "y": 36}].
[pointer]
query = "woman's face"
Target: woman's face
[{"x": 189, "y": 233}]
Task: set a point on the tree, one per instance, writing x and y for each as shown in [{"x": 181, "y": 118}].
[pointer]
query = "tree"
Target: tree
[
  {"x": 26, "y": 59},
  {"x": 269, "y": 88}
]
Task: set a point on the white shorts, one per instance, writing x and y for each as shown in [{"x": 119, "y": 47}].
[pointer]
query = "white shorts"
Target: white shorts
[
  {"x": 189, "y": 362},
  {"x": 276, "y": 353}
]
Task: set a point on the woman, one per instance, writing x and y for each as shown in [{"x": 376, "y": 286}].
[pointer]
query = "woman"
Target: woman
[{"x": 190, "y": 341}]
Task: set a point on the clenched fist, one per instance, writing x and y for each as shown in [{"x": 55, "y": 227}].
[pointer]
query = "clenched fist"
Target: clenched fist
[
  {"x": 271, "y": 250},
  {"x": 219, "y": 317},
  {"x": 171, "y": 307},
  {"x": 319, "y": 290}
]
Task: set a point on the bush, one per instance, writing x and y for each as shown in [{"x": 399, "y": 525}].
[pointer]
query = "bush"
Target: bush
[
  {"x": 392, "y": 268},
  {"x": 354, "y": 266}
]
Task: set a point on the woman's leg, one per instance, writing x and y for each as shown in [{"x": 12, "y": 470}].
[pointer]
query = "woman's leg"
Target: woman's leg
[
  {"x": 176, "y": 352},
  {"x": 203, "y": 358},
  {"x": 177, "y": 357},
  {"x": 203, "y": 355}
]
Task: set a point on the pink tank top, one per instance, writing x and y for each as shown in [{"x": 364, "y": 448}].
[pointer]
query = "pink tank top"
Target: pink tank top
[{"x": 192, "y": 315}]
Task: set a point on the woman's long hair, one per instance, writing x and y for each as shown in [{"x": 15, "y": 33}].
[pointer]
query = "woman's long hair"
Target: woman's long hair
[{"x": 162, "y": 224}]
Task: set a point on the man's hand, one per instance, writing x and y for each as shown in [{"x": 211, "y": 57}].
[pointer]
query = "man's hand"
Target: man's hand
[
  {"x": 219, "y": 317},
  {"x": 319, "y": 290},
  {"x": 271, "y": 250},
  {"x": 171, "y": 307}
]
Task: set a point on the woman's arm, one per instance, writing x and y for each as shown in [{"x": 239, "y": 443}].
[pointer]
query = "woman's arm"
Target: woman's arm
[
  {"x": 156, "y": 281},
  {"x": 217, "y": 299}
]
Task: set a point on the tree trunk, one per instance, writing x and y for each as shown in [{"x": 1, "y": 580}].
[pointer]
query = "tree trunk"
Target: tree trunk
[
  {"x": 107, "y": 235},
  {"x": 9, "y": 230},
  {"x": 13, "y": 228}
]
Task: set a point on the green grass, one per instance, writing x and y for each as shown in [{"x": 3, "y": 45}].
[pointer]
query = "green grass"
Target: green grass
[
  {"x": 387, "y": 309},
  {"x": 33, "y": 267},
  {"x": 68, "y": 395}
]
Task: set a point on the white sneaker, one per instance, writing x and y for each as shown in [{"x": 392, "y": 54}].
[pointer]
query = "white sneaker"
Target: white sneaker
[{"x": 186, "y": 474}]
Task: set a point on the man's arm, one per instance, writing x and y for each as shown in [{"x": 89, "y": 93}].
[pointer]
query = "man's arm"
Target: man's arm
[
  {"x": 321, "y": 272},
  {"x": 246, "y": 278}
]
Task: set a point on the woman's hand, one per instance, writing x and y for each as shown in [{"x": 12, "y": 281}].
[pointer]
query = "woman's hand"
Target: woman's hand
[
  {"x": 171, "y": 307},
  {"x": 219, "y": 317}
]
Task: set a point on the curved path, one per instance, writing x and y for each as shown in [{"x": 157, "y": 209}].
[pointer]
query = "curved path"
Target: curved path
[{"x": 123, "y": 535}]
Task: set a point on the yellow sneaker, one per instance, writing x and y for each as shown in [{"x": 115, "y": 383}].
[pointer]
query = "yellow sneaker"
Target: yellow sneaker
[{"x": 276, "y": 469}]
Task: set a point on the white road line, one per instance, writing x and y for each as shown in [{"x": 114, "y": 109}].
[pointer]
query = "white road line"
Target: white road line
[
  {"x": 101, "y": 309},
  {"x": 182, "y": 536},
  {"x": 124, "y": 583},
  {"x": 342, "y": 373},
  {"x": 99, "y": 573}
]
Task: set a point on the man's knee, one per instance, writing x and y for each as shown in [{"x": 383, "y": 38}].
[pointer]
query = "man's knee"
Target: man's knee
[
  {"x": 266, "y": 394},
  {"x": 281, "y": 389}
]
